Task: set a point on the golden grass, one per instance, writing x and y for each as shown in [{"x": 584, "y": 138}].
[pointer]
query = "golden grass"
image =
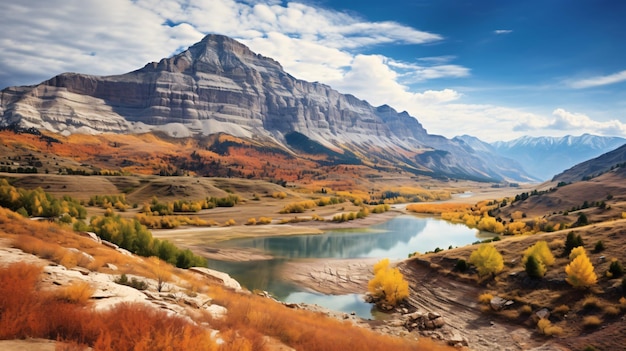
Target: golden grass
[
  {"x": 546, "y": 328},
  {"x": 591, "y": 322},
  {"x": 485, "y": 298},
  {"x": 76, "y": 292}
]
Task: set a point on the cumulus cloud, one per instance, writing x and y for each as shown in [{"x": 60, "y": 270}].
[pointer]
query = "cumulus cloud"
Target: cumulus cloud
[
  {"x": 40, "y": 40},
  {"x": 563, "y": 121},
  {"x": 599, "y": 80}
]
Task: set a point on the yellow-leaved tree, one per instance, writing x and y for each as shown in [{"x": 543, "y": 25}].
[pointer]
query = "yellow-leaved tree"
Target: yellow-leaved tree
[
  {"x": 579, "y": 271},
  {"x": 388, "y": 284},
  {"x": 487, "y": 260},
  {"x": 578, "y": 250},
  {"x": 536, "y": 259}
]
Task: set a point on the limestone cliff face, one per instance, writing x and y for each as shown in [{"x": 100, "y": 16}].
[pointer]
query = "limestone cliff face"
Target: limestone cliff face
[{"x": 217, "y": 85}]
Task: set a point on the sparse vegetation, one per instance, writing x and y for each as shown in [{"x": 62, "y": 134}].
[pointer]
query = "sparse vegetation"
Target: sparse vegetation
[
  {"x": 546, "y": 328},
  {"x": 133, "y": 282},
  {"x": 135, "y": 237}
]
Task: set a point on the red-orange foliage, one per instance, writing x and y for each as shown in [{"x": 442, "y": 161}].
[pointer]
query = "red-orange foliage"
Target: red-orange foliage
[
  {"x": 305, "y": 330},
  {"x": 27, "y": 312}
]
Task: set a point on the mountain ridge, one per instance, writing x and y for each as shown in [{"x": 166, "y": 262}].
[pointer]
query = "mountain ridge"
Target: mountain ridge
[{"x": 219, "y": 85}]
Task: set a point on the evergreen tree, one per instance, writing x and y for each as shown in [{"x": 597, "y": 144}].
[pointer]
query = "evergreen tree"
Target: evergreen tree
[{"x": 534, "y": 267}]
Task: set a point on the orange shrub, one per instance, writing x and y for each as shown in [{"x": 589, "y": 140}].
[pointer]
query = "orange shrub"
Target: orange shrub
[{"x": 77, "y": 292}]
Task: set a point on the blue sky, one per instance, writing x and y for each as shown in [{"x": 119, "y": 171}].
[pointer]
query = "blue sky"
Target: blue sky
[{"x": 493, "y": 69}]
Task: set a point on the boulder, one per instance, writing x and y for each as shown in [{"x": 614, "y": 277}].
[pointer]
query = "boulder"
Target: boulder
[
  {"x": 497, "y": 303},
  {"x": 217, "y": 276}
]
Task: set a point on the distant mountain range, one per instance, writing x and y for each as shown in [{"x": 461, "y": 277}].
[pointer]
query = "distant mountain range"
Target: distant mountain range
[
  {"x": 544, "y": 157},
  {"x": 220, "y": 86}
]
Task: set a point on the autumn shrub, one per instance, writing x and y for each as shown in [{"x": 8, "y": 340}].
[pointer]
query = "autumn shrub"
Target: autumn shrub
[
  {"x": 316, "y": 217},
  {"x": 229, "y": 223},
  {"x": 560, "y": 310},
  {"x": 76, "y": 292},
  {"x": 27, "y": 312},
  {"x": 264, "y": 220},
  {"x": 388, "y": 284},
  {"x": 611, "y": 310},
  {"x": 546, "y": 328},
  {"x": 591, "y": 322},
  {"x": 590, "y": 302},
  {"x": 487, "y": 260},
  {"x": 485, "y": 298},
  {"x": 298, "y": 207},
  {"x": 279, "y": 195},
  {"x": 251, "y": 221}
]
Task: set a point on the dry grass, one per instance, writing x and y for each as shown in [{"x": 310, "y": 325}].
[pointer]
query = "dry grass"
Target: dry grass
[
  {"x": 76, "y": 292},
  {"x": 546, "y": 328},
  {"x": 591, "y": 322},
  {"x": 485, "y": 298}
]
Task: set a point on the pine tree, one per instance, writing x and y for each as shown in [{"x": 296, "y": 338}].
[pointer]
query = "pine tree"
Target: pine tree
[
  {"x": 534, "y": 267},
  {"x": 572, "y": 241}
]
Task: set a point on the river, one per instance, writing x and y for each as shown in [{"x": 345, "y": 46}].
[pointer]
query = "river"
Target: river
[{"x": 393, "y": 239}]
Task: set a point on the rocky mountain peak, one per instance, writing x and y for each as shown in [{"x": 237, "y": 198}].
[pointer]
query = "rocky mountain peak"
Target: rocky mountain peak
[{"x": 219, "y": 85}]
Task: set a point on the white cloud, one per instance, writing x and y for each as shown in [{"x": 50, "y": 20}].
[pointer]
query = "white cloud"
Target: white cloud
[
  {"x": 599, "y": 80},
  {"x": 502, "y": 31},
  {"x": 41, "y": 39},
  {"x": 563, "y": 122}
]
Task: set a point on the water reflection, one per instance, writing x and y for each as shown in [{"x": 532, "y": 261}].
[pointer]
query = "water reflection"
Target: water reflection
[{"x": 394, "y": 239}]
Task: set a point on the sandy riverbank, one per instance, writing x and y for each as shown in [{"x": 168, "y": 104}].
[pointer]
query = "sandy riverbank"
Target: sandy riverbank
[{"x": 205, "y": 240}]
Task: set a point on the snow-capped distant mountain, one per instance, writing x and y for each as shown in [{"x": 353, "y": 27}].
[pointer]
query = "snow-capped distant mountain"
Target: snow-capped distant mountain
[
  {"x": 544, "y": 157},
  {"x": 491, "y": 155}
]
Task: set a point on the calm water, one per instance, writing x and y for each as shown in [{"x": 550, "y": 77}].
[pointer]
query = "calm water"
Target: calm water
[{"x": 394, "y": 239}]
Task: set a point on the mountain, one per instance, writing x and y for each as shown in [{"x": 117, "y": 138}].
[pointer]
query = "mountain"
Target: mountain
[
  {"x": 611, "y": 161},
  {"x": 220, "y": 86},
  {"x": 508, "y": 166},
  {"x": 544, "y": 157}
]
